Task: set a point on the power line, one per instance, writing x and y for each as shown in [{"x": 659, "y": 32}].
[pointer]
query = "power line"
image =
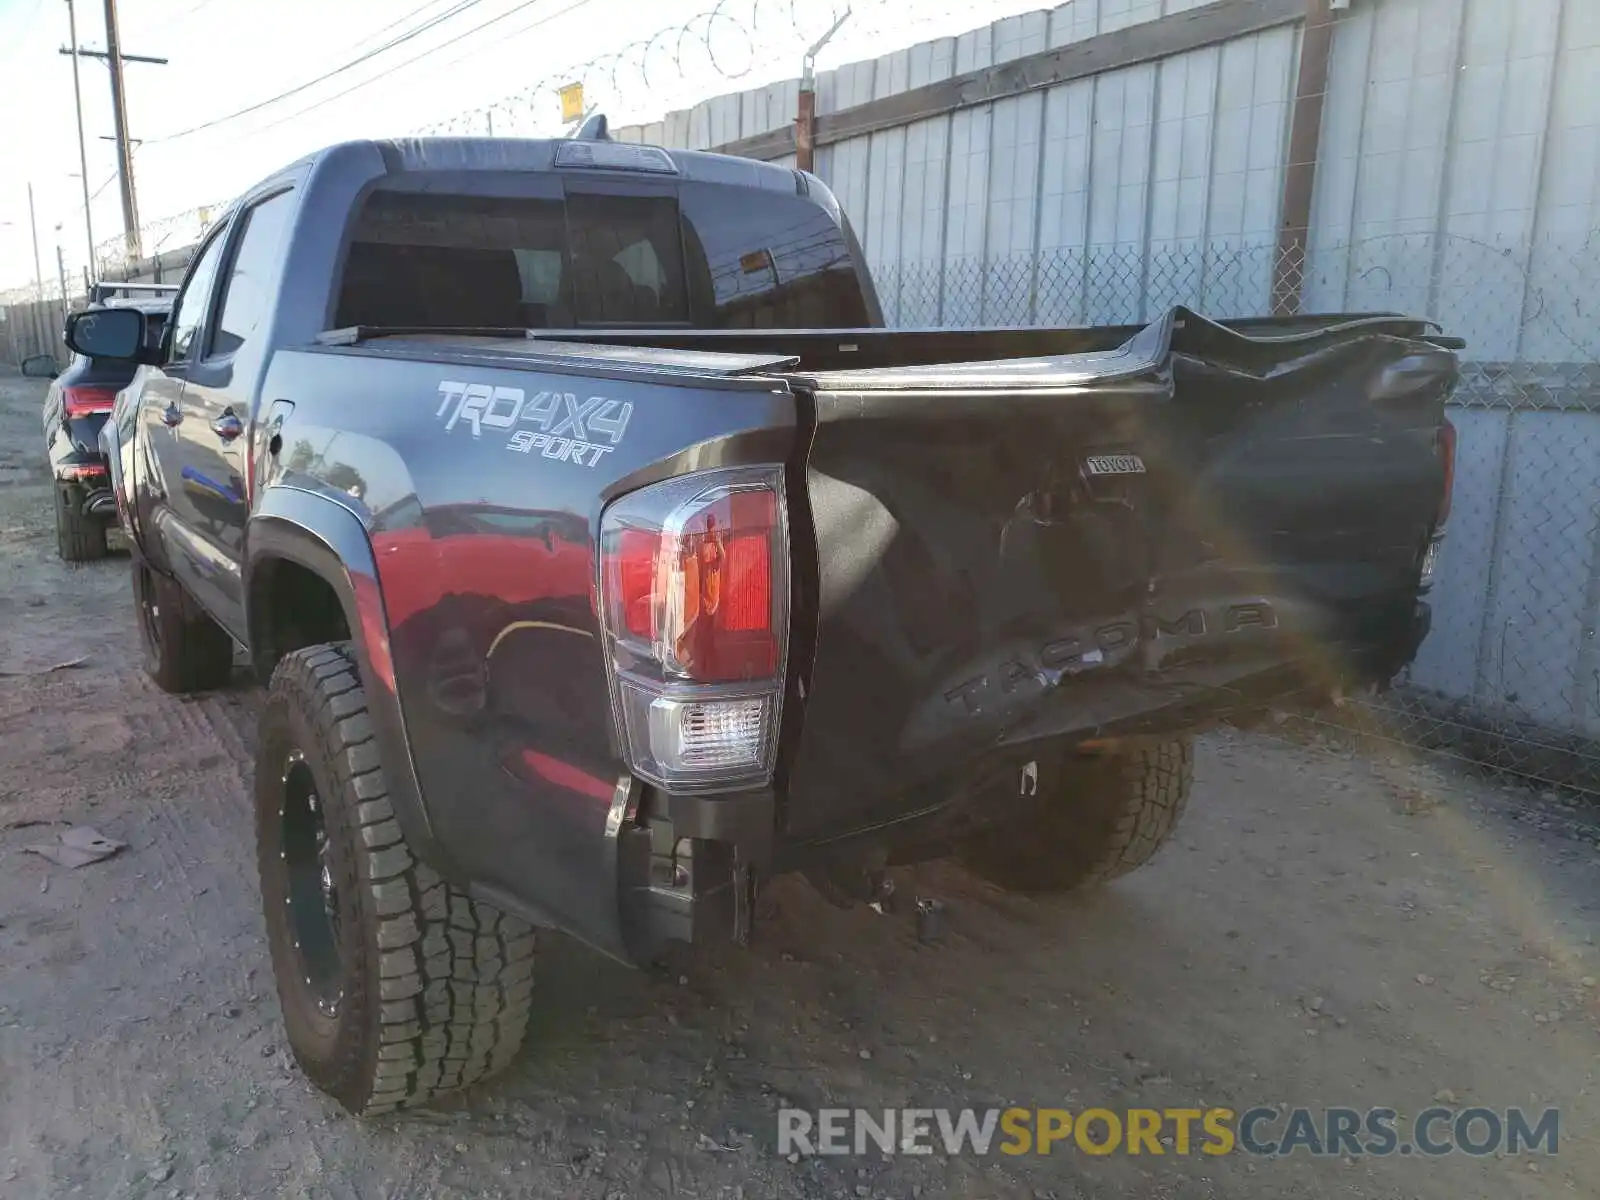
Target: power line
[
  {"x": 459, "y": 7},
  {"x": 576, "y": 4},
  {"x": 28, "y": 22},
  {"x": 95, "y": 195},
  {"x": 400, "y": 20},
  {"x": 176, "y": 17},
  {"x": 510, "y": 34}
]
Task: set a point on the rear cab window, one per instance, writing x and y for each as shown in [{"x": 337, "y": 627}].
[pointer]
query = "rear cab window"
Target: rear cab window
[
  {"x": 774, "y": 261},
  {"x": 598, "y": 253}
]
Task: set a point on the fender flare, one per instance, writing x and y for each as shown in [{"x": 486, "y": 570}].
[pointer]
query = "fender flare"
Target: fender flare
[
  {"x": 325, "y": 537},
  {"x": 111, "y": 448}
]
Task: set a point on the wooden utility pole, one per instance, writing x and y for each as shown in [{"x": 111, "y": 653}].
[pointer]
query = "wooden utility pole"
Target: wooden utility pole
[
  {"x": 113, "y": 57},
  {"x": 119, "y": 113}
]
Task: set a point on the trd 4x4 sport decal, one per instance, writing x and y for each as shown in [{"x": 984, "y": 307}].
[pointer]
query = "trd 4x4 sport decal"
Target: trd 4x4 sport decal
[{"x": 558, "y": 425}]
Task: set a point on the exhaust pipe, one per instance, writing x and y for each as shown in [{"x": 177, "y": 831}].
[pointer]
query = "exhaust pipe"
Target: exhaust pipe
[{"x": 100, "y": 504}]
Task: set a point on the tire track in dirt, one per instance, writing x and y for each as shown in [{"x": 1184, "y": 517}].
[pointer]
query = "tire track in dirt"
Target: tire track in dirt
[{"x": 208, "y": 820}]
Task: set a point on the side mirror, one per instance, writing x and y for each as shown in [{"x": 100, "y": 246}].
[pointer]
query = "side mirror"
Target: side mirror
[{"x": 107, "y": 333}]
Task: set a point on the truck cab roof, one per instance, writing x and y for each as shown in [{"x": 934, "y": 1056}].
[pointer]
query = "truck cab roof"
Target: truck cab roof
[{"x": 428, "y": 154}]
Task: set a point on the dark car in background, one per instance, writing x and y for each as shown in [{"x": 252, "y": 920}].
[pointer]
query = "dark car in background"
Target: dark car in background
[{"x": 76, "y": 407}]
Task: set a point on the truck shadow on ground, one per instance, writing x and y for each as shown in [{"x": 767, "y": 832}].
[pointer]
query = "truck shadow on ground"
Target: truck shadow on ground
[{"x": 841, "y": 1008}]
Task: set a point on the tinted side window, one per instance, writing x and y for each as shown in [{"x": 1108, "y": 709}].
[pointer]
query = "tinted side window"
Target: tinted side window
[
  {"x": 777, "y": 262},
  {"x": 246, "y": 297},
  {"x": 191, "y": 311}
]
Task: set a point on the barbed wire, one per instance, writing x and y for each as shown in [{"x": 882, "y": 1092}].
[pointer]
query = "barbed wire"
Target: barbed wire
[
  {"x": 724, "y": 43},
  {"x": 719, "y": 42},
  {"x": 179, "y": 231}
]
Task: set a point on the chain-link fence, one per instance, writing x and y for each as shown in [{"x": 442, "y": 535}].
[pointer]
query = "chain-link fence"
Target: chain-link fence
[{"x": 1510, "y": 674}]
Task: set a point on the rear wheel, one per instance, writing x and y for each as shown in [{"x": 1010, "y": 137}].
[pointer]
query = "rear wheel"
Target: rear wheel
[
  {"x": 396, "y": 987},
  {"x": 78, "y": 538},
  {"x": 1109, "y": 815},
  {"x": 184, "y": 649}
]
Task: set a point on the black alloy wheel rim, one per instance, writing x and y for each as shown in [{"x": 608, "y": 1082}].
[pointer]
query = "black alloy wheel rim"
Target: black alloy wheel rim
[
  {"x": 149, "y": 614},
  {"x": 311, "y": 894}
]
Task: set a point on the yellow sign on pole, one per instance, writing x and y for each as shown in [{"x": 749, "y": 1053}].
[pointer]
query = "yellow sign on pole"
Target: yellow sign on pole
[{"x": 572, "y": 102}]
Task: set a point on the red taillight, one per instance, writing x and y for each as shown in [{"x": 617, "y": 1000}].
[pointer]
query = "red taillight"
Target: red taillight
[
  {"x": 1447, "y": 461},
  {"x": 86, "y": 400},
  {"x": 700, "y": 588},
  {"x": 747, "y": 593},
  {"x": 633, "y": 567},
  {"x": 81, "y": 471},
  {"x": 694, "y": 596}
]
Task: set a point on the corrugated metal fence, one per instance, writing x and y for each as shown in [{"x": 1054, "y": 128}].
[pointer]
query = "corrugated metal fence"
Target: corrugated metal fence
[
  {"x": 31, "y": 329},
  {"x": 1457, "y": 176}
]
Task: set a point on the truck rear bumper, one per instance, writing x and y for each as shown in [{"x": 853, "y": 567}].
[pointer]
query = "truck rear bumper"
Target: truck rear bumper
[
  {"x": 683, "y": 868},
  {"x": 687, "y": 868},
  {"x": 1203, "y": 694},
  {"x": 1088, "y": 714}
]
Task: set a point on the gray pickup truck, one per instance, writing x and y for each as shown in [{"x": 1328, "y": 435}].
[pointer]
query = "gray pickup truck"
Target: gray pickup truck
[{"x": 607, "y": 557}]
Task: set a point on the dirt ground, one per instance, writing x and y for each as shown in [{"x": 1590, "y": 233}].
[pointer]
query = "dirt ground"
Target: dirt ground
[{"x": 1327, "y": 928}]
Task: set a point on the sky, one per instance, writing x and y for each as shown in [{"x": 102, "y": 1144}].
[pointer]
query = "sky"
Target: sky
[{"x": 253, "y": 85}]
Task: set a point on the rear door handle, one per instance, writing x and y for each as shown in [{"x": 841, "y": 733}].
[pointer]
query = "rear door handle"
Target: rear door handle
[
  {"x": 227, "y": 426},
  {"x": 172, "y": 415}
]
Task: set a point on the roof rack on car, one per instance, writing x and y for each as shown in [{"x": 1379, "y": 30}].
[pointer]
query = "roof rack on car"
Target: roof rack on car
[{"x": 101, "y": 292}]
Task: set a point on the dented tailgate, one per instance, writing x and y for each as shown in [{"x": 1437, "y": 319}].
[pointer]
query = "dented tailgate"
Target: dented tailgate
[{"x": 1059, "y": 547}]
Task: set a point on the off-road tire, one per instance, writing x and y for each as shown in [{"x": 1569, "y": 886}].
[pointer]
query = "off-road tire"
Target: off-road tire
[
  {"x": 435, "y": 987},
  {"x": 78, "y": 538},
  {"x": 184, "y": 649},
  {"x": 1109, "y": 815}
]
